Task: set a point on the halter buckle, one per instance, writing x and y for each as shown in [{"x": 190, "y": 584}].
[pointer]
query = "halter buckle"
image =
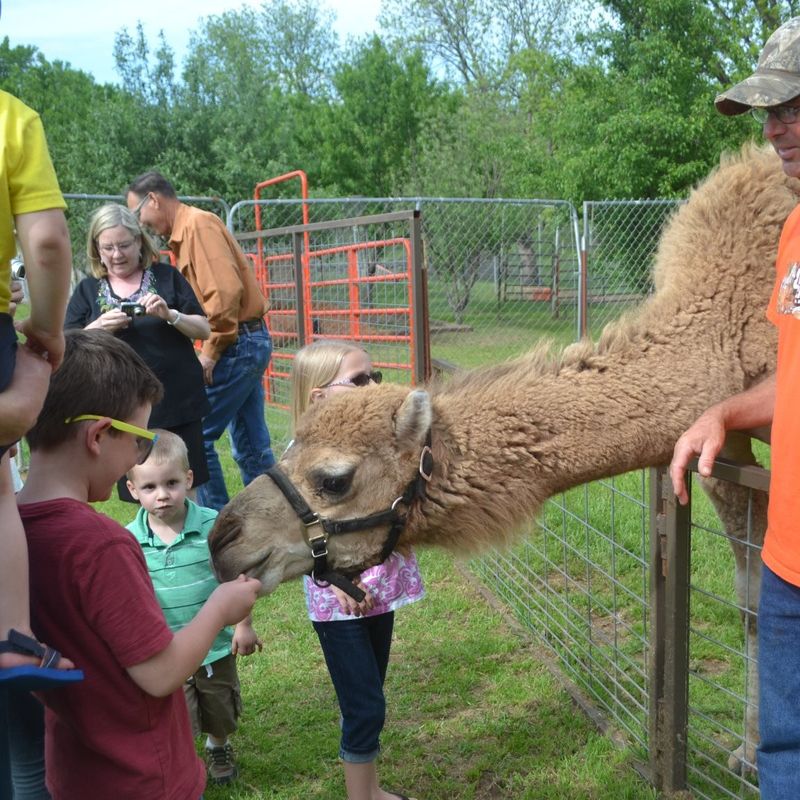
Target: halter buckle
[
  {"x": 318, "y": 545},
  {"x": 426, "y": 463}
]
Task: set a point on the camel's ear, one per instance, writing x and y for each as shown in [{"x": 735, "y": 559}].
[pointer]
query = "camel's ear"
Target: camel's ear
[{"x": 413, "y": 420}]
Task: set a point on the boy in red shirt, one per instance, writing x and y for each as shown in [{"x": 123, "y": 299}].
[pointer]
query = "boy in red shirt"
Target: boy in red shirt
[{"x": 123, "y": 733}]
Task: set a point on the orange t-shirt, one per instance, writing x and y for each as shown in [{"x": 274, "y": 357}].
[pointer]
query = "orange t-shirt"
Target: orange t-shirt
[{"x": 782, "y": 544}]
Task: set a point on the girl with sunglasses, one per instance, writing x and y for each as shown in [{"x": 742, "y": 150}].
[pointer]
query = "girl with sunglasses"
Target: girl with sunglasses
[{"x": 356, "y": 637}]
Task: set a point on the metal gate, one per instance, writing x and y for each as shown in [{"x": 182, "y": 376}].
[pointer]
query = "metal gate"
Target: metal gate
[{"x": 359, "y": 279}]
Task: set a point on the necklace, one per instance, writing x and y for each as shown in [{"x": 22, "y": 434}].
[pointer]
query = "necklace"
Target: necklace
[{"x": 107, "y": 299}]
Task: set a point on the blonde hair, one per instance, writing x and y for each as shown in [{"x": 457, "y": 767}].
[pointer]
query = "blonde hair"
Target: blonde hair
[
  {"x": 110, "y": 216},
  {"x": 315, "y": 365},
  {"x": 168, "y": 448}
]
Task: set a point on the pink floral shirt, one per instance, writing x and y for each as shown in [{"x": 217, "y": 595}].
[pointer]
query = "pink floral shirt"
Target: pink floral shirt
[{"x": 393, "y": 584}]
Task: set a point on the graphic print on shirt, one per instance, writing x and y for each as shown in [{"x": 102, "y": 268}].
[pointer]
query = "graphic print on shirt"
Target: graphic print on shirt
[{"x": 789, "y": 293}]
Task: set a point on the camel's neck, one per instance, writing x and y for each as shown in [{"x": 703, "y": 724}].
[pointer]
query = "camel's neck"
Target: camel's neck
[{"x": 505, "y": 445}]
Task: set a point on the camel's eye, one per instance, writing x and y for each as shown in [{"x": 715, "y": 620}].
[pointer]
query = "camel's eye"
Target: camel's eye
[{"x": 333, "y": 484}]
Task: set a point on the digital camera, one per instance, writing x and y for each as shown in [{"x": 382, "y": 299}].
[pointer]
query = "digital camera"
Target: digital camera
[{"x": 132, "y": 309}]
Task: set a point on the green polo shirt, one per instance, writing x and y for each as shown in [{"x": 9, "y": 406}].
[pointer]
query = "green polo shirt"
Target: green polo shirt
[{"x": 181, "y": 572}]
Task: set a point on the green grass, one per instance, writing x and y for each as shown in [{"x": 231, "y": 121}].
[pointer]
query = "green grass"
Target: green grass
[{"x": 473, "y": 713}]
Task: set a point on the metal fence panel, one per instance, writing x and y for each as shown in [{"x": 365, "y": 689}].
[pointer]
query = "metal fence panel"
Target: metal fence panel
[
  {"x": 353, "y": 279},
  {"x": 620, "y": 238},
  {"x": 579, "y": 582},
  {"x": 501, "y": 273}
]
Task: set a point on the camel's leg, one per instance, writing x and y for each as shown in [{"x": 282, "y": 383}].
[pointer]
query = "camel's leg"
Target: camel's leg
[{"x": 744, "y": 517}]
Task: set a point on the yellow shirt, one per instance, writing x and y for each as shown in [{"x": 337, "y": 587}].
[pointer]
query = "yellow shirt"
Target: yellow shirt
[
  {"x": 211, "y": 260},
  {"x": 28, "y": 181}
]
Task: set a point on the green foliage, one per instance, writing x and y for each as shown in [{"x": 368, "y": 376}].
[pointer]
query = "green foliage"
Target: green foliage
[
  {"x": 472, "y": 712},
  {"x": 369, "y": 132},
  {"x": 452, "y": 98}
]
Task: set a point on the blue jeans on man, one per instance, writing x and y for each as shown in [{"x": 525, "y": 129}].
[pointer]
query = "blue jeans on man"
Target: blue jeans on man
[
  {"x": 357, "y": 654},
  {"x": 779, "y": 688},
  {"x": 22, "y": 769},
  {"x": 237, "y": 403}
]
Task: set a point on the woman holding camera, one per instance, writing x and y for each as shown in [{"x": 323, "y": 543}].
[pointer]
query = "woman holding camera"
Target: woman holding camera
[{"x": 151, "y": 306}]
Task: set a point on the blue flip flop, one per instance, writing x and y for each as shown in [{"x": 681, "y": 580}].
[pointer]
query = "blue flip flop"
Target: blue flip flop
[{"x": 30, "y": 677}]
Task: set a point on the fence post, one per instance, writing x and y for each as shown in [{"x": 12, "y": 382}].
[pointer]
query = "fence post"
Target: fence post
[
  {"x": 670, "y": 532},
  {"x": 303, "y": 333},
  {"x": 419, "y": 305}
]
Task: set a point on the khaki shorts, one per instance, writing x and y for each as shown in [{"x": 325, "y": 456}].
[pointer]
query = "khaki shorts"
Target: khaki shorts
[{"x": 214, "y": 698}]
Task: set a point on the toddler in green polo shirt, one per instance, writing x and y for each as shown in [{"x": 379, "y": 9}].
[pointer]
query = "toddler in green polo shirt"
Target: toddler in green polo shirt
[{"x": 173, "y": 532}]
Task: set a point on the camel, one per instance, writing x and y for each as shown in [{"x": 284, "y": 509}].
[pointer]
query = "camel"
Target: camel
[{"x": 504, "y": 438}]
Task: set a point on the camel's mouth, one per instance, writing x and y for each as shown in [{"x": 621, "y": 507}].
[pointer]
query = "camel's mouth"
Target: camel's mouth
[
  {"x": 258, "y": 567},
  {"x": 254, "y": 569}
]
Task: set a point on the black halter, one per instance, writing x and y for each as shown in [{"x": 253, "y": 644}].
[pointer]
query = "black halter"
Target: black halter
[{"x": 393, "y": 516}]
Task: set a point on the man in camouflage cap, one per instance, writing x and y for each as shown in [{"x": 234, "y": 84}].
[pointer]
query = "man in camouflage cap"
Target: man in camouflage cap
[
  {"x": 772, "y": 95},
  {"x": 777, "y": 76}
]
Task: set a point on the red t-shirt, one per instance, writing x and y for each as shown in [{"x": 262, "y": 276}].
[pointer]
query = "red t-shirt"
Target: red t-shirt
[
  {"x": 782, "y": 544},
  {"x": 92, "y": 599}
]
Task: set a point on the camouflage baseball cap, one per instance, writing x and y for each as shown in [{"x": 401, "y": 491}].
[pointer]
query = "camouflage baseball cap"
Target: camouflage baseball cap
[{"x": 777, "y": 76}]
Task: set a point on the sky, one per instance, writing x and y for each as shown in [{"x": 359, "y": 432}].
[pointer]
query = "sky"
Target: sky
[{"x": 81, "y": 32}]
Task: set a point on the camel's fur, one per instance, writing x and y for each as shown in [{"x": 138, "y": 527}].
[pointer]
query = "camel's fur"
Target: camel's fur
[{"x": 509, "y": 436}]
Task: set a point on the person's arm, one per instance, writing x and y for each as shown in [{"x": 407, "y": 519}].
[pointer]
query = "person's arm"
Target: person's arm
[
  {"x": 166, "y": 671},
  {"x": 705, "y": 438},
  {"x": 245, "y": 639},
  {"x": 350, "y": 605},
  {"x": 23, "y": 398},
  {"x": 194, "y": 326},
  {"x": 220, "y": 289},
  {"x": 47, "y": 253}
]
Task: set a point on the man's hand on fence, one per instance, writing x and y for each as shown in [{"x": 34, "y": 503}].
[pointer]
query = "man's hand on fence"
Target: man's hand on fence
[{"x": 705, "y": 439}]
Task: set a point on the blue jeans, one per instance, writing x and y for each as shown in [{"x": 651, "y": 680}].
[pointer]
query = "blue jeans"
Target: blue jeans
[
  {"x": 779, "y": 688},
  {"x": 237, "y": 403},
  {"x": 357, "y": 654},
  {"x": 22, "y": 746}
]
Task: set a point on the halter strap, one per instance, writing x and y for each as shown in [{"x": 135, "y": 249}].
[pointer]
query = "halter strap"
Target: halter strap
[{"x": 321, "y": 574}]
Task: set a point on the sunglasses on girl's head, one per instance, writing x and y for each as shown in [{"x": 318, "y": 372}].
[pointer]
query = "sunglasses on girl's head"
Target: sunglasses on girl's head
[
  {"x": 144, "y": 439},
  {"x": 361, "y": 379}
]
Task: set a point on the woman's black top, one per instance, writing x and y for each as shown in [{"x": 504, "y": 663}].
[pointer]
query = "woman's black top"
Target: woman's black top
[{"x": 162, "y": 347}]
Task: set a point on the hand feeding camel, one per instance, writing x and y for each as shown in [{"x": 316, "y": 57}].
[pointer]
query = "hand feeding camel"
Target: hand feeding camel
[{"x": 507, "y": 437}]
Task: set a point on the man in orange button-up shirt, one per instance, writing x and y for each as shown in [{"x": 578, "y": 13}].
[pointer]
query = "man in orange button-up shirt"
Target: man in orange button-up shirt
[{"x": 235, "y": 356}]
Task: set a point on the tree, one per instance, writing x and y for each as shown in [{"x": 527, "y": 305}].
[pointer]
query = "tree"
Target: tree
[
  {"x": 370, "y": 131},
  {"x": 474, "y": 41}
]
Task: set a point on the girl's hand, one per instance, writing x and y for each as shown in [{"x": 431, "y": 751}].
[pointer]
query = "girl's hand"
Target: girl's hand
[{"x": 349, "y": 605}]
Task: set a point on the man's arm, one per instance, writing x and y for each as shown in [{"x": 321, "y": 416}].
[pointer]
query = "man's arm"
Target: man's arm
[
  {"x": 705, "y": 438},
  {"x": 218, "y": 284}
]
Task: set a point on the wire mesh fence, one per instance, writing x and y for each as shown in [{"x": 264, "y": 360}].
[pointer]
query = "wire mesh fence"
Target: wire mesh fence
[
  {"x": 352, "y": 279},
  {"x": 652, "y": 618},
  {"x": 501, "y": 273},
  {"x": 620, "y": 238},
  {"x": 579, "y": 583},
  {"x": 721, "y": 671}
]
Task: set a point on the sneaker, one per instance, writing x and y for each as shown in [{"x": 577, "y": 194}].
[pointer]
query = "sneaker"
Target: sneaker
[{"x": 221, "y": 766}]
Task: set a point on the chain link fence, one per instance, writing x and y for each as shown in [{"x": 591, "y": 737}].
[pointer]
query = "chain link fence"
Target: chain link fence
[
  {"x": 80, "y": 208},
  {"x": 620, "y": 238},
  {"x": 501, "y": 273}
]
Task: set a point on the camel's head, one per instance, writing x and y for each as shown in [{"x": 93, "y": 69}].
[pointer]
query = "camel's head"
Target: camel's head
[{"x": 352, "y": 456}]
